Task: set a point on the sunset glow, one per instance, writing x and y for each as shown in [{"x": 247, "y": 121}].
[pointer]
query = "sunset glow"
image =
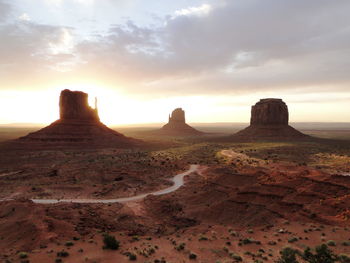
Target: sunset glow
[
  {"x": 143, "y": 60},
  {"x": 175, "y": 131},
  {"x": 116, "y": 108}
]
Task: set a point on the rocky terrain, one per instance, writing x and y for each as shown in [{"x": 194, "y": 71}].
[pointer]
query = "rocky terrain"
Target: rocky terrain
[
  {"x": 243, "y": 202},
  {"x": 247, "y": 201}
]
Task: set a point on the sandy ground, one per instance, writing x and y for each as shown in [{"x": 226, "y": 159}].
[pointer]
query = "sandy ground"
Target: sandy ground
[
  {"x": 210, "y": 243},
  {"x": 236, "y": 205}
]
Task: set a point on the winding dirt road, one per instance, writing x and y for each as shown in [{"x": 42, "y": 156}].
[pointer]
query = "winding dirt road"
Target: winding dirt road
[{"x": 178, "y": 181}]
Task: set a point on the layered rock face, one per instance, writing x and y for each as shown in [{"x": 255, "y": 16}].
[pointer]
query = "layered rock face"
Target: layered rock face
[
  {"x": 74, "y": 106},
  {"x": 79, "y": 125},
  {"x": 178, "y": 115},
  {"x": 269, "y": 112},
  {"x": 269, "y": 120},
  {"x": 177, "y": 125}
]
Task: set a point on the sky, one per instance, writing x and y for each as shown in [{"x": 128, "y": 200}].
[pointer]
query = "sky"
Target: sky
[{"x": 144, "y": 58}]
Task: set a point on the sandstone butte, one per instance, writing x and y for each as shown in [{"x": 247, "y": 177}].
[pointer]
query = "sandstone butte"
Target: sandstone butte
[
  {"x": 269, "y": 120},
  {"x": 78, "y": 125},
  {"x": 177, "y": 126}
]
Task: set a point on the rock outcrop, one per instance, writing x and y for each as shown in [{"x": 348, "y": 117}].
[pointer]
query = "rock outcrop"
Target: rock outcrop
[
  {"x": 177, "y": 116},
  {"x": 269, "y": 112},
  {"x": 74, "y": 106},
  {"x": 177, "y": 126},
  {"x": 269, "y": 120},
  {"x": 79, "y": 125}
]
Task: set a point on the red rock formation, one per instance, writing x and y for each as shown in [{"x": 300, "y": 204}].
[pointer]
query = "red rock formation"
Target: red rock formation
[
  {"x": 269, "y": 112},
  {"x": 269, "y": 120},
  {"x": 74, "y": 106},
  {"x": 178, "y": 115},
  {"x": 79, "y": 125},
  {"x": 177, "y": 125}
]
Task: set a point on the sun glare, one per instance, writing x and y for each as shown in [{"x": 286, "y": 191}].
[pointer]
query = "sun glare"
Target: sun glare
[{"x": 118, "y": 108}]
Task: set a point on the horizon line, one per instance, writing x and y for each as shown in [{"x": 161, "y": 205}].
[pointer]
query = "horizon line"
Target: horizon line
[{"x": 162, "y": 123}]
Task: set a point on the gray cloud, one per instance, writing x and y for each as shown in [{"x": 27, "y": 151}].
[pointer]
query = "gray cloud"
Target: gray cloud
[
  {"x": 26, "y": 51},
  {"x": 239, "y": 46},
  {"x": 5, "y": 10}
]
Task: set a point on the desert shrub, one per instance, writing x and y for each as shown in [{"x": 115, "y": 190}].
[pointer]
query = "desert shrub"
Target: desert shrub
[
  {"x": 292, "y": 240},
  {"x": 203, "y": 238},
  {"x": 22, "y": 254},
  {"x": 331, "y": 243},
  {"x": 247, "y": 241},
  {"x": 180, "y": 247},
  {"x": 235, "y": 257},
  {"x": 69, "y": 243},
  {"x": 62, "y": 254},
  {"x": 135, "y": 238},
  {"x": 151, "y": 251},
  {"x": 132, "y": 257},
  {"x": 322, "y": 255},
  {"x": 192, "y": 256},
  {"x": 110, "y": 242},
  {"x": 288, "y": 255},
  {"x": 233, "y": 233},
  {"x": 342, "y": 258}
]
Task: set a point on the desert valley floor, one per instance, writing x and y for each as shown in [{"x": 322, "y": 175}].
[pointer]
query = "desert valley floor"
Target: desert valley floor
[{"x": 242, "y": 202}]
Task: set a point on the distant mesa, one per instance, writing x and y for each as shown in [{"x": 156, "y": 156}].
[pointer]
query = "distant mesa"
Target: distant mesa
[
  {"x": 79, "y": 124},
  {"x": 177, "y": 126},
  {"x": 269, "y": 120}
]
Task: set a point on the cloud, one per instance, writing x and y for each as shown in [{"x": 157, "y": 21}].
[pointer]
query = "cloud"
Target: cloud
[
  {"x": 197, "y": 11},
  {"x": 231, "y": 47},
  {"x": 31, "y": 52},
  {"x": 24, "y": 17},
  {"x": 240, "y": 46},
  {"x": 65, "y": 43},
  {"x": 5, "y": 10},
  {"x": 60, "y": 2}
]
